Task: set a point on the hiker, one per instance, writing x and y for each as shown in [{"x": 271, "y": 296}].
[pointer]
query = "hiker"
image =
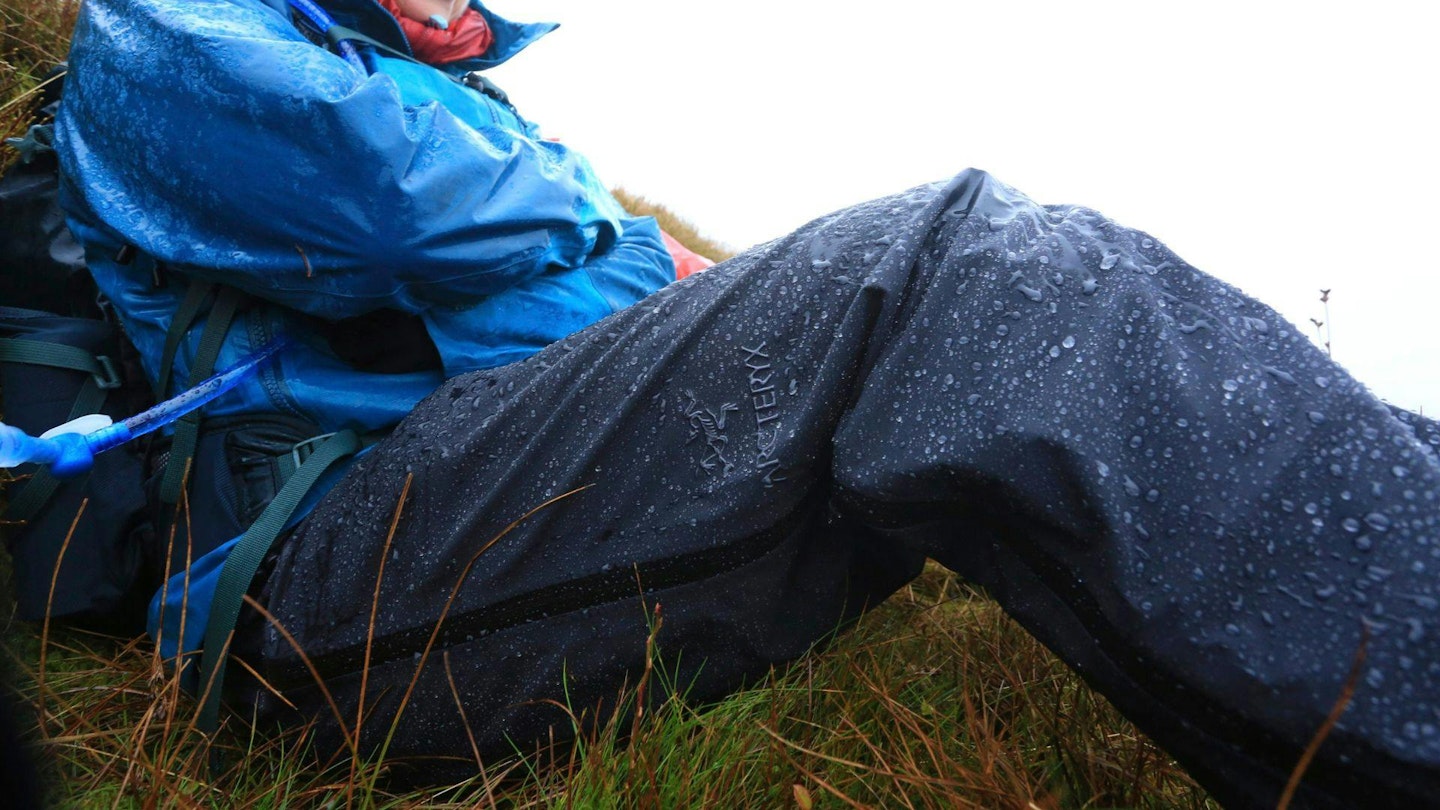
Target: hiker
[{"x": 1160, "y": 478}]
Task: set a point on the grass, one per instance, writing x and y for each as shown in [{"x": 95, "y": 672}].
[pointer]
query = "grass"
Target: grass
[
  {"x": 34, "y": 37},
  {"x": 935, "y": 699},
  {"x": 675, "y": 225}
]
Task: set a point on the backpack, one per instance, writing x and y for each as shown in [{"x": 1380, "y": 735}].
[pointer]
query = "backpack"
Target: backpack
[{"x": 62, "y": 356}]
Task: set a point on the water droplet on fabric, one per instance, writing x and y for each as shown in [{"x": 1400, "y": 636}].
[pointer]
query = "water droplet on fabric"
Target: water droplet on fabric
[{"x": 1378, "y": 521}]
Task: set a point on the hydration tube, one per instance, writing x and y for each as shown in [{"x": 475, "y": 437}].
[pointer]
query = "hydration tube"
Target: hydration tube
[
  {"x": 70, "y": 449},
  {"x": 322, "y": 20}
]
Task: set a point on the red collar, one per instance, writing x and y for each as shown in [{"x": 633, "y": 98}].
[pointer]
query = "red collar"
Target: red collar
[{"x": 467, "y": 37}]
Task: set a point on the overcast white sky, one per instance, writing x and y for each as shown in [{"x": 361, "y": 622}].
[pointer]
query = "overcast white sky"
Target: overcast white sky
[{"x": 1283, "y": 147}]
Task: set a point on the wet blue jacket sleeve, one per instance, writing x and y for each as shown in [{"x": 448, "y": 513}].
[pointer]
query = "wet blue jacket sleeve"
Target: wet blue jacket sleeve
[{"x": 217, "y": 139}]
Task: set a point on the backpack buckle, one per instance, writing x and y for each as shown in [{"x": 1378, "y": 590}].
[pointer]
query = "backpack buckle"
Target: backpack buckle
[
  {"x": 303, "y": 449},
  {"x": 108, "y": 377},
  {"x": 477, "y": 82}
]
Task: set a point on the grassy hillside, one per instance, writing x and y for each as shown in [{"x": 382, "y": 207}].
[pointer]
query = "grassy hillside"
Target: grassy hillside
[
  {"x": 936, "y": 699},
  {"x": 33, "y": 37},
  {"x": 682, "y": 229}
]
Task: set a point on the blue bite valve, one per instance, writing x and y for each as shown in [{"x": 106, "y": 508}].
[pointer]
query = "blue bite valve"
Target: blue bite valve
[
  {"x": 75, "y": 456},
  {"x": 66, "y": 454},
  {"x": 18, "y": 447}
]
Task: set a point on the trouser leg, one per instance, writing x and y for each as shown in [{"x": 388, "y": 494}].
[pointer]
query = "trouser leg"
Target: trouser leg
[
  {"x": 1156, "y": 475},
  {"x": 1174, "y": 490},
  {"x": 699, "y": 424}
]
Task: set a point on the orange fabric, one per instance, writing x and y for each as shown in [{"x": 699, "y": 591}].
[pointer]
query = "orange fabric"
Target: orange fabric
[
  {"x": 467, "y": 37},
  {"x": 687, "y": 261}
]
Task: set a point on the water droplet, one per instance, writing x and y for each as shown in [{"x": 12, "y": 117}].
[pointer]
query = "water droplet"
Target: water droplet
[
  {"x": 1378, "y": 521},
  {"x": 1230, "y": 385},
  {"x": 1068, "y": 342},
  {"x": 1089, "y": 286},
  {"x": 1054, "y": 351},
  {"x": 1110, "y": 260},
  {"x": 1417, "y": 630},
  {"x": 1350, "y": 524}
]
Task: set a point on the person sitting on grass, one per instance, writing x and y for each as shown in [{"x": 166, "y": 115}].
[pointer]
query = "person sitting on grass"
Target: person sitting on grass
[{"x": 1156, "y": 475}]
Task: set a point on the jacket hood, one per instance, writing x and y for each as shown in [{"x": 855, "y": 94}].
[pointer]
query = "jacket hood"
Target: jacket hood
[{"x": 370, "y": 18}]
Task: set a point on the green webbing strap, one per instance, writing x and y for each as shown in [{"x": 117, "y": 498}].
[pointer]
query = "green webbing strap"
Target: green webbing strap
[
  {"x": 339, "y": 33},
  {"x": 56, "y": 355},
  {"x": 244, "y": 561},
  {"x": 42, "y": 485},
  {"x": 187, "y": 429},
  {"x": 190, "y": 308}
]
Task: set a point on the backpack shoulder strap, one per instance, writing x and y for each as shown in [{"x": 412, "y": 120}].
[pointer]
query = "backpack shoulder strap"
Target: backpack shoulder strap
[
  {"x": 244, "y": 560},
  {"x": 473, "y": 80},
  {"x": 212, "y": 338}
]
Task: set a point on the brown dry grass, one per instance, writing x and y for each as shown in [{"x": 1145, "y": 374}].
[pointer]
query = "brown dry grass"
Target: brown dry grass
[
  {"x": 33, "y": 39},
  {"x": 677, "y": 226},
  {"x": 935, "y": 700}
]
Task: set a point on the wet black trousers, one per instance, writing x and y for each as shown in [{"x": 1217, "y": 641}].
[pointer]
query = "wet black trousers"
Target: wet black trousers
[{"x": 1157, "y": 476}]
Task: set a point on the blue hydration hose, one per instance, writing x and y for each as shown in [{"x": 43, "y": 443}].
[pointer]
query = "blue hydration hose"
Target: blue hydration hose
[
  {"x": 322, "y": 21},
  {"x": 71, "y": 453}
]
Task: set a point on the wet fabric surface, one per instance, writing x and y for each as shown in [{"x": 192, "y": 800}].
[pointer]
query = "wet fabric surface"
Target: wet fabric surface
[{"x": 1158, "y": 476}]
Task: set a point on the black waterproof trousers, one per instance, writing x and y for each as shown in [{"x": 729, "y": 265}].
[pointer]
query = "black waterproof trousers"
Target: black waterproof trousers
[{"x": 1156, "y": 475}]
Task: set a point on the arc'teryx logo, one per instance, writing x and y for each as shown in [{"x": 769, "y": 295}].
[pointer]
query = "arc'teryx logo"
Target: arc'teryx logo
[
  {"x": 765, "y": 400},
  {"x": 711, "y": 426}
]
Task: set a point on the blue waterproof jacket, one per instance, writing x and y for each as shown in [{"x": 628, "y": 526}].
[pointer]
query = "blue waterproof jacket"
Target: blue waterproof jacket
[{"x": 213, "y": 137}]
